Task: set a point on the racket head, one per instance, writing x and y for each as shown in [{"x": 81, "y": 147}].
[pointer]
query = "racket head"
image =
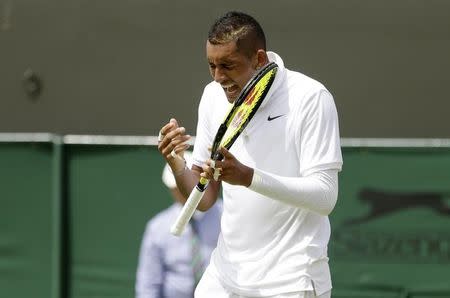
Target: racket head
[{"x": 244, "y": 108}]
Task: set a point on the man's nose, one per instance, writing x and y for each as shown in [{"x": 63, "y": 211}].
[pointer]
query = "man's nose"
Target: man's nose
[{"x": 219, "y": 75}]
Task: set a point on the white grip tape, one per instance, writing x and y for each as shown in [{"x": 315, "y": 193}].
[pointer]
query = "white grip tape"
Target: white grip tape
[
  {"x": 186, "y": 213},
  {"x": 217, "y": 174},
  {"x": 217, "y": 171}
]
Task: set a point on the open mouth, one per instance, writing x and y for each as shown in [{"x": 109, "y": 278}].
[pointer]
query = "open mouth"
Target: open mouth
[{"x": 231, "y": 90}]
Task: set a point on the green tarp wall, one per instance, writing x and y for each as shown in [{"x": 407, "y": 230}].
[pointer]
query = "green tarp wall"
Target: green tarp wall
[
  {"x": 27, "y": 221},
  {"x": 391, "y": 226},
  {"x": 72, "y": 217}
]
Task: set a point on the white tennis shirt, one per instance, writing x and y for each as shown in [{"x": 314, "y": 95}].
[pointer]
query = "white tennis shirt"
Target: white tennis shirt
[{"x": 267, "y": 247}]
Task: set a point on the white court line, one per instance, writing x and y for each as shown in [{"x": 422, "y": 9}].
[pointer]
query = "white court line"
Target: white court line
[
  {"x": 26, "y": 137},
  {"x": 113, "y": 140},
  {"x": 109, "y": 140},
  {"x": 395, "y": 142},
  {"x": 153, "y": 140}
]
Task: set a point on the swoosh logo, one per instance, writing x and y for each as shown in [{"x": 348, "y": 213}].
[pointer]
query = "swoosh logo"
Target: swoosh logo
[{"x": 273, "y": 118}]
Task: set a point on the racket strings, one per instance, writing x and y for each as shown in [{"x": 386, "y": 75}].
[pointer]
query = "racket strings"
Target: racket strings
[{"x": 245, "y": 111}]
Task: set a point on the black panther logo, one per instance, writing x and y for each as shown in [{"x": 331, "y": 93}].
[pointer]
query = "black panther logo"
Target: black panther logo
[{"x": 382, "y": 203}]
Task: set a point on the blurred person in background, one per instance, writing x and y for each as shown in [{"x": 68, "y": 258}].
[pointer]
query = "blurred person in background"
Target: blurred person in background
[{"x": 170, "y": 266}]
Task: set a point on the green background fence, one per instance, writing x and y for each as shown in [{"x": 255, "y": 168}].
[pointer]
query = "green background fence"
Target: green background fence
[{"x": 72, "y": 216}]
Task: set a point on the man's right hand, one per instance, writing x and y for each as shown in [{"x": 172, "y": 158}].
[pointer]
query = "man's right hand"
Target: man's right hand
[{"x": 172, "y": 142}]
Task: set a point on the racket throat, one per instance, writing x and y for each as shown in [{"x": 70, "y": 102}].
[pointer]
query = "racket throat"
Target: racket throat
[{"x": 202, "y": 184}]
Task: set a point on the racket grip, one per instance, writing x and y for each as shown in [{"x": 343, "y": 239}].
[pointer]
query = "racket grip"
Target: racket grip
[{"x": 186, "y": 213}]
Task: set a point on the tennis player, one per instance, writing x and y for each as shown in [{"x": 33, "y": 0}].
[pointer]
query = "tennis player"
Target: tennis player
[{"x": 279, "y": 179}]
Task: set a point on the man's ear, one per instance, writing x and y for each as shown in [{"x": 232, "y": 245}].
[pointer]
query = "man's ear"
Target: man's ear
[{"x": 261, "y": 58}]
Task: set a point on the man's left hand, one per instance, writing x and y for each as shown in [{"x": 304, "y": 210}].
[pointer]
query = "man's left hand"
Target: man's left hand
[{"x": 230, "y": 170}]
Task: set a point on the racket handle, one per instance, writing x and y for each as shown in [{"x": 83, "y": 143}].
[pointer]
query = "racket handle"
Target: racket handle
[{"x": 186, "y": 213}]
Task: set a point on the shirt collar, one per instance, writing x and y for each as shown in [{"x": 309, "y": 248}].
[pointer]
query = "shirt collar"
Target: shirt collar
[{"x": 279, "y": 78}]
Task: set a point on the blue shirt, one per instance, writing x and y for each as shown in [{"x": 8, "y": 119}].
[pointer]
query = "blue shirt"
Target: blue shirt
[{"x": 165, "y": 261}]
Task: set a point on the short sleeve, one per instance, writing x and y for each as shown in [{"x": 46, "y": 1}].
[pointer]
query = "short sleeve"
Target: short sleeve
[
  {"x": 318, "y": 137},
  {"x": 211, "y": 112}
]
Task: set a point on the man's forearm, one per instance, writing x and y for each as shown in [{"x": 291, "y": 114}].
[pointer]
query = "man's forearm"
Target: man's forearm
[
  {"x": 188, "y": 179},
  {"x": 316, "y": 192}
]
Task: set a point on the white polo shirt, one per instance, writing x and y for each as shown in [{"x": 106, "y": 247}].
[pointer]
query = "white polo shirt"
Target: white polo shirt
[{"x": 267, "y": 247}]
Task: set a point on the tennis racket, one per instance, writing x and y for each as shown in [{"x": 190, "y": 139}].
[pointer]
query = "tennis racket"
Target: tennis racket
[{"x": 242, "y": 111}]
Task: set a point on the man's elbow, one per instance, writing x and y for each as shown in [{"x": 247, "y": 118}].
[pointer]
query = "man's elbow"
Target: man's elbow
[
  {"x": 330, "y": 193},
  {"x": 329, "y": 201}
]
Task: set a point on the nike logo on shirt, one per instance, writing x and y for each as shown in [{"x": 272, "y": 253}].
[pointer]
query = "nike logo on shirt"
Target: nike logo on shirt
[{"x": 273, "y": 118}]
